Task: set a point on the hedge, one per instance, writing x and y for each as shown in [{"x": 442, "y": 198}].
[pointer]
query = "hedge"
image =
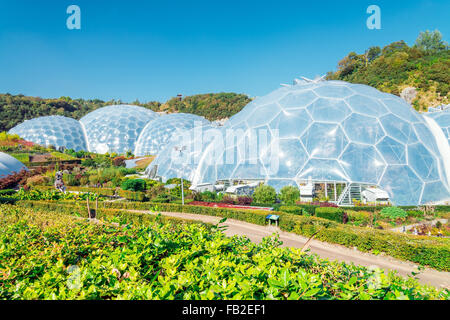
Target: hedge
[
  {"x": 291, "y": 209},
  {"x": 334, "y": 214},
  {"x": 430, "y": 252}
]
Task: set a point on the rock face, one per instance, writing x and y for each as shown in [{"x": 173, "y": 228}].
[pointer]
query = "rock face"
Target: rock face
[{"x": 408, "y": 94}]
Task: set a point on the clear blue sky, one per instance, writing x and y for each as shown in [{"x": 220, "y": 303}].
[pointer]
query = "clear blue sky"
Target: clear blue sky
[{"x": 152, "y": 50}]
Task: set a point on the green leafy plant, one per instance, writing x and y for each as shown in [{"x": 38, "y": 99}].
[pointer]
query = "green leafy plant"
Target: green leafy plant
[
  {"x": 289, "y": 194},
  {"x": 265, "y": 194}
]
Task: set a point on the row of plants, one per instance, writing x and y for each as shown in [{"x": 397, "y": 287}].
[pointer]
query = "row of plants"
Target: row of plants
[
  {"x": 48, "y": 255},
  {"x": 422, "y": 250}
]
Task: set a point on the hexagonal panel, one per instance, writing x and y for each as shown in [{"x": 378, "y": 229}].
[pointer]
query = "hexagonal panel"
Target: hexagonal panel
[
  {"x": 398, "y": 129},
  {"x": 324, "y": 140},
  {"x": 333, "y": 91},
  {"x": 392, "y": 151},
  {"x": 425, "y": 165},
  {"x": 434, "y": 191},
  {"x": 329, "y": 110},
  {"x": 263, "y": 114},
  {"x": 401, "y": 108},
  {"x": 324, "y": 170},
  {"x": 362, "y": 163},
  {"x": 292, "y": 123},
  {"x": 366, "y": 106},
  {"x": 289, "y": 158},
  {"x": 402, "y": 185},
  {"x": 363, "y": 129},
  {"x": 298, "y": 99}
]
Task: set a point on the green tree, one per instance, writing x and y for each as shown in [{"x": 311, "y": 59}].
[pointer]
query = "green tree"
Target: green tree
[
  {"x": 289, "y": 194},
  {"x": 431, "y": 41},
  {"x": 265, "y": 194}
]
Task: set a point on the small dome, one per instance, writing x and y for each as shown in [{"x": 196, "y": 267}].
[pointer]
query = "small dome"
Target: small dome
[
  {"x": 157, "y": 133},
  {"x": 115, "y": 128},
  {"x": 57, "y": 131},
  {"x": 9, "y": 165}
]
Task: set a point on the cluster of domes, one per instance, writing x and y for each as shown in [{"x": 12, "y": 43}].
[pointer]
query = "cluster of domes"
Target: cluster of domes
[
  {"x": 327, "y": 131},
  {"x": 116, "y": 128}
]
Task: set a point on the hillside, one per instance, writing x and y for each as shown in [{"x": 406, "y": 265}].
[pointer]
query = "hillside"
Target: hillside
[
  {"x": 14, "y": 109},
  {"x": 424, "y": 67}
]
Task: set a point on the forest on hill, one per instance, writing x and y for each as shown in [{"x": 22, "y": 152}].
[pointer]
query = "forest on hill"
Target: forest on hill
[
  {"x": 15, "y": 109},
  {"x": 424, "y": 66}
]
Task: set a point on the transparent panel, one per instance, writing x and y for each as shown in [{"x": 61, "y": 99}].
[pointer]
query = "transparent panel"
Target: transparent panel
[
  {"x": 323, "y": 140},
  {"x": 292, "y": 123},
  {"x": 398, "y": 129},
  {"x": 402, "y": 185},
  {"x": 318, "y": 169},
  {"x": 329, "y": 110},
  {"x": 392, "y": 151},
  {"x": 298, "y": 99},
  {"x": 425, "y": 165},
  {"x": 434, "y": 191},
  {"x": 333, "y": 91},
  {"x": 363, "y": 129},
  {"x": 278, "y": 184},
  {"x": 362, "y": 163},
  {"x": 401, "y": 108}
]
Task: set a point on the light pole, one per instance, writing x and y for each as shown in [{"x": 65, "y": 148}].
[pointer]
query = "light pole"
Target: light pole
[{"x": 180, "y": 150}]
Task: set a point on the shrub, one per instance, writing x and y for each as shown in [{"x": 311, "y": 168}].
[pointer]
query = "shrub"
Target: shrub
[
  {"x": 289, "y": 194},
  {"x": 208, "y": 196},
  {"x": 228, "y": 199},
  {"x": 244, "y": 200},
  {"x": 334, "y": 214},
  {"x": 359, "y": 216},
  {"x": 393, "y": 213},
  {"x": 265, "y": 194},
  {"x": 119, "y": 161},
  {"x": 36, "y": 180},
  {"x": 292, "y": 209},
  {"x": 133, "y": 185}
]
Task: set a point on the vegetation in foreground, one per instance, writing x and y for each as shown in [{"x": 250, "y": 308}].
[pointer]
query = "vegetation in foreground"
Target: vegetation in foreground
[{"x": 44, "y": 255}]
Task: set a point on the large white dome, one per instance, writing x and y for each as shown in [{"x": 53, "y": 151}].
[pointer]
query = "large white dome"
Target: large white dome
[{"x": 330, "y": 131}]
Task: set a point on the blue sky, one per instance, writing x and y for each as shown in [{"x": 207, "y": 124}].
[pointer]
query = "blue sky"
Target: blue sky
[{"x": 153, "y": 50}]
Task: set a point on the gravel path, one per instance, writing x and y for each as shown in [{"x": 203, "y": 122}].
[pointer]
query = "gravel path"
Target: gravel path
[{"x": 325, "y": 250}]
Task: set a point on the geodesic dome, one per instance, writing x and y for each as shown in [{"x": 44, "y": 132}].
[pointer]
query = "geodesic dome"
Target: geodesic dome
[
  {"x": 57, "y": 131},
  {"x": 115, "y": 128},
  {"x": 331, "y": 131},
  {"x": 9, "y": 165},
  {"x": 158, "y": 132}
]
